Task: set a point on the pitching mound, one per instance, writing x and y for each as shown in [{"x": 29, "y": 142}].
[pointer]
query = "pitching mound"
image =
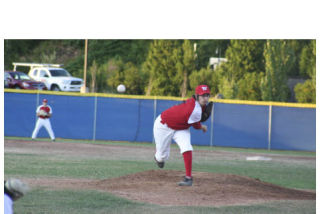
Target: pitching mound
[{"x": 160, "y": 187}]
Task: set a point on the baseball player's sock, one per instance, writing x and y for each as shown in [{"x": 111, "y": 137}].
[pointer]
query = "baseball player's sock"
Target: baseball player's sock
[{"x": 187, "y": 156}]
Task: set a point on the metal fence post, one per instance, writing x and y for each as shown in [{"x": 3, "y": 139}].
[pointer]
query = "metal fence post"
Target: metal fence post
[
  {"x": 95, "y": 118},
  {"x": 269, "y": 128},
  {"x": 37, "y": 104},
  {"x": 211, "y": 130},
  {"x": 154, "y": 115}
]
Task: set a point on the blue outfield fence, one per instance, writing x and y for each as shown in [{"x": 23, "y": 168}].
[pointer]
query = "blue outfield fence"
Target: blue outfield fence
[
  {"x": 242, "y": 124},
  {"x": 293, "y": 128},
  {"x": 237, "y": 125}
]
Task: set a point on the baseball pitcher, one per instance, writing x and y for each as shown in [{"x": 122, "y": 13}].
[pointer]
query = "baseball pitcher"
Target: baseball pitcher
[
  {"x": 175, "y": 122},
  {"x": 44, "y": 112}
]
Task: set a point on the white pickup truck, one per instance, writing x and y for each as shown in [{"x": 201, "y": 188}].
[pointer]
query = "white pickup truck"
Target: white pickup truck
[{"x": 53, "y": 76}]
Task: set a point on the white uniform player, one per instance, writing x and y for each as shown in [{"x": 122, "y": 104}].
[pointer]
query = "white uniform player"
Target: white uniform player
[
  {"x": 174, "y": 123},
  {"x": 13, "y": 190},
  {"x": 44, "y": 112},
  {"x": 8, "y": 204}
]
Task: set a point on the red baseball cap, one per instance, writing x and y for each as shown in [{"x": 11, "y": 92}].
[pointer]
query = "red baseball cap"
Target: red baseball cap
[
  {"x": 45, "y": 100},
  {"x": 202, "y": 89}
]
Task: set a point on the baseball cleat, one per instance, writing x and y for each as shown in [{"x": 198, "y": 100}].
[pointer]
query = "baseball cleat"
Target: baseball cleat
[
  {"x": 186, "y": 182},
  {"x": 160, "y": 164}
]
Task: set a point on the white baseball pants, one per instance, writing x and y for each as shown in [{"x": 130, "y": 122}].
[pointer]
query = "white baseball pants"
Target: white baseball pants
[
  {"x": 43, "y": 122},
  {"x": 163, "y": 136}
]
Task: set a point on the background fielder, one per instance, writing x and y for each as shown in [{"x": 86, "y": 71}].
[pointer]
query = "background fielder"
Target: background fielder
[
  {"x": 175, "y": 122},
  {"x": 44, "y": 112}
]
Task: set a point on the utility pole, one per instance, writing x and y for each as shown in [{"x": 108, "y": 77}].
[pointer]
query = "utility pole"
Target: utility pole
[{"x": 83, "y": 88}]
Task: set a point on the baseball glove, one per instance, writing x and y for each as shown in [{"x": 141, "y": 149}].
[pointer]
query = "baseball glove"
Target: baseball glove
[
  {"x": 15, "y": 188},
  {"x": 207, "y": 112},
  {"x": 42, "y": 113}
]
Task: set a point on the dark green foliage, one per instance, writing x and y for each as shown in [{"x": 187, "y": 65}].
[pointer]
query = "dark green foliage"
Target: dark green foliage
[
  {"x": 93, "y": 76},
  {"x": 279, "y": 57},
  {"x": 249, "y": 86},
  {"x": 244, "y": 56},
  {"x": 308, "y": 60},
  {"x": 134, "y": 79},
  {"x": 297, "y": 46},
  {"x": 306, "y": 92},
  {"x": 209, "y": 48},
  {"x": 115, "y": 72},
  {"x": 162, "y": 64},
  {"x": 176, "y": 67},
  {"x": 186, "y": 66},
  {"x": 17, "y": 50},
  {"x": 128, "y": 50},
  {"x": 205, "y": 76}
]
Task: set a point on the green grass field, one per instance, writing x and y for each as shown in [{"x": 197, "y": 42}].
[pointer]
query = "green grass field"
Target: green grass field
[{"x": 299, "y": 173}]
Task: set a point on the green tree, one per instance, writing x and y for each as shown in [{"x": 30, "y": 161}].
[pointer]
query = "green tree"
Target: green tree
[
  {"x": 209, "y": 48},
  {"x": 278, "y": 61},
  {"x": 48, "y": 58},
  {"x": 306, "y": 92},
  {"x": 244, "y": 56},
  {"x": 307, "y": 60},
  {"x": 102, "y": 77},
  {"x": 188, "y": 65},
  {"x": 16, "y": 50},
  {"x": 133, "y": 79},
  {"x": 297, "y": 47},
  {"x": 97, "y": 77},
  {"x": 205, "y": 76},
  {"x": 249, "y": 86},
  {"x": 228, "y": 88},
  {"x": 102, "y": 51},
  {"x": 162, "y": 65},
  {"x": 227, "y": 85},
  {"x": 115, "y": 72},
  {"x": 93, "y": 71},
  {"x": 170, "y": 63}
]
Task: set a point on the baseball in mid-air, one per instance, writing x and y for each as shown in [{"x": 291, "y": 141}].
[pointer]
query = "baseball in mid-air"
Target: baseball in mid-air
[{"x": 121, "y": 88}]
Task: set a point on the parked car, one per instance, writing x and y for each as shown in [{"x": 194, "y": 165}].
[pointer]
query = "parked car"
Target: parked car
[
  {"x": 20, "y": 80},
  {"x": 6, "y": 85},
  {"x": 56, "y": 79},
  {"x": 53, "y": 76}
]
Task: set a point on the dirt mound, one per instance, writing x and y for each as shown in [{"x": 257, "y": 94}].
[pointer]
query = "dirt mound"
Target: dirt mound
[{"x": 160, "y": 187}]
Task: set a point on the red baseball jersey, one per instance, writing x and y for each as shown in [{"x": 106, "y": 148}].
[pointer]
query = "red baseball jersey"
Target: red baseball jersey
[
  {"x": 183, "y": 116},
  {"x": 46, "y": 108}
]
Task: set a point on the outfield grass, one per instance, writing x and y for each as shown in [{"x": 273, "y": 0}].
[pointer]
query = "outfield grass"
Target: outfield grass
[
  {"x": 84, "y": 202},
  {"x": 213, "y": 148},
  {"x": 287, "y": 175},
  {"x": 26, "y": 165}
]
